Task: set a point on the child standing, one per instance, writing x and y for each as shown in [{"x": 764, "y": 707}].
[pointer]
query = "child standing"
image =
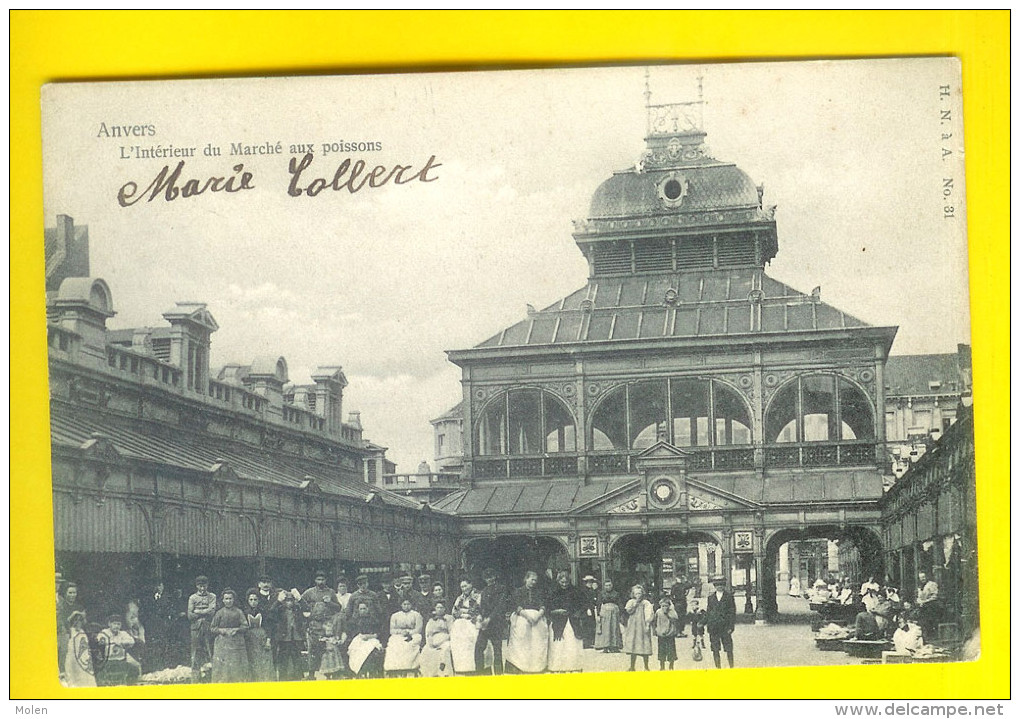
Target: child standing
[
  {"x": 637, "y": 635},
  {"x": 667, "y": 625},
  {"x": 697, "y": 621}
]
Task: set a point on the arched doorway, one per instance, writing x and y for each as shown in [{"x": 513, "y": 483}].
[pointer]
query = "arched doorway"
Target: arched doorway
[
  {"x": 512, "y": 555},
  {"x": 660, "y": 559},
  {"x": 857, "y": 554}
]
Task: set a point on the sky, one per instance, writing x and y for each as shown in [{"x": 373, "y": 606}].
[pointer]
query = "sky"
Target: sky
[{"x": 385, "y": 280}]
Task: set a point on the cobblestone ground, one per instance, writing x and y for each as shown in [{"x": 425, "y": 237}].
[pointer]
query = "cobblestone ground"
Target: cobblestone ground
[{"x": 787, "y": 643}]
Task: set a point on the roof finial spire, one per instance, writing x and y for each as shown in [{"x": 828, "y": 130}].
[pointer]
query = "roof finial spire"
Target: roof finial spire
[
  {"x": 648, "y": 103},
  {"x": 701, "y": 101}
]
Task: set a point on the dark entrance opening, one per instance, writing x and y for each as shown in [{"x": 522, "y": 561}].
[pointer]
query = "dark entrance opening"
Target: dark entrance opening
[
  {"x": 512, "y": 556},
  {"x": 657, "y": 560}
]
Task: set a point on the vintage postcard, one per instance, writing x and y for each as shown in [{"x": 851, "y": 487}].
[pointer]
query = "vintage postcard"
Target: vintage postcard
[{"x": 513, "y": 372}]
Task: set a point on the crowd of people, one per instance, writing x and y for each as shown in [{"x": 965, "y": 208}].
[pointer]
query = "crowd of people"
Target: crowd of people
[
  {"x": 409, "y": 627},
  {"x": 879, "y": 613}
]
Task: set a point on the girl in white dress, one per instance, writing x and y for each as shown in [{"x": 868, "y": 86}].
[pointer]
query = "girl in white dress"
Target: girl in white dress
[{"x": 404, "y": 645}]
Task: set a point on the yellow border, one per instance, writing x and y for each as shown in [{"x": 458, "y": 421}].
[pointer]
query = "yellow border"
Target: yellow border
[{"x": 51, "y": 45}]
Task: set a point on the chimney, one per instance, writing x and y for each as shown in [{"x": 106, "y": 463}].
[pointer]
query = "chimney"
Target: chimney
[
  {"x": 329, "y": 396},
  {"x": 191, "y": 327}
]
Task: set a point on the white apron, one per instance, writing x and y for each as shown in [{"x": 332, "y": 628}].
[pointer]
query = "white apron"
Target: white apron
[
  {"x": 565, "y": 654},
  {"x": 360, "y": 649},
  {"x": 463, "y": 637},
  {"x": 402, "y": 654},
  {"x": 528, "y": 648}
]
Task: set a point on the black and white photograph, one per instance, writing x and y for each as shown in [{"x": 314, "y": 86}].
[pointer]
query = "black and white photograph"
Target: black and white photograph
[{"x": 605, "y": 369}]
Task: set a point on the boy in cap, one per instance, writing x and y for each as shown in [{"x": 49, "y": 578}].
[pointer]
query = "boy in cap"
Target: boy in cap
[
  {"x": 119, "y": 667},
  {"x": 201, "y": 607}
]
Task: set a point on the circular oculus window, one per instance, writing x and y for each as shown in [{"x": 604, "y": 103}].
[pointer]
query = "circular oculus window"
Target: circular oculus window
[
  {"x": 664, "y": 492},
  {"x": 672, "y": 189}
]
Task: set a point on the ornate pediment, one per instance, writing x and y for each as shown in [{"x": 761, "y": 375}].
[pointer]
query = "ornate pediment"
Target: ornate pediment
[
  {"x": 194, "y": 312},
  {"x": 663, "y": 450},
  {"x": 679, "y": 495}
]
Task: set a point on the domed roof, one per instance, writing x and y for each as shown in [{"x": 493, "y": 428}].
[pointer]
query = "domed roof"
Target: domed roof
[{"x": 670, "y": 191}]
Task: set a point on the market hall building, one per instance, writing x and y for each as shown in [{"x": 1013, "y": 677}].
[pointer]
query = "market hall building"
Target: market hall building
[
  {"x": 164, "y": 469},
  {"x": 682, "y": 413}
]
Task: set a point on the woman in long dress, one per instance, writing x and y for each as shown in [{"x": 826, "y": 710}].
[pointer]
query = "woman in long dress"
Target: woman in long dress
[
  {"x": 67, "y": 604},
  {"x": 637, "y": 634},
  {"x": 364, "y": 653},
  {"x": 78, "y": 670},
  {"x": 230, "y": 653},
  {"x": 527, "y": 650},
  {"x": 260, "y": 652},
  {"x": 608, "y": 636},
  {"x": 564, "y": 607},
  {"x": 436, "y": 658},
  {"x": 404, "y": 645},
  {"x": 464, "y": 632}
]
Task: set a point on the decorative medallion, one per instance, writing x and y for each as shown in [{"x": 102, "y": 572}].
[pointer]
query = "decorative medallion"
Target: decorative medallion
[
  {"x": 672, "y": 189},
  {"x": 663, "y": 493},
  {"x": 745, "y": 381},
  {"x": 866, "y": 375},
  {"x": 587, "y": 305},
  {"x": 771, "y": 380},
  {"x": 755, "y": 296},
  {"x": 743, "y": 541},
  {"x": 671, "y": 297},
  {"x": 588, "y": 546}
]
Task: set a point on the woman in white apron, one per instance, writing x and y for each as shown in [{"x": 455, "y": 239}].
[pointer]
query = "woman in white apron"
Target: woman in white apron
[
  {"x": 464, "y": 631},
  {"x": 564, "y": 608},
  {"x": 528, "y": 648},
  {"x": 364, "y": 653}
]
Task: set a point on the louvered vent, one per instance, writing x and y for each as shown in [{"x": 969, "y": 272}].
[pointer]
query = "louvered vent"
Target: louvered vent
[
  {"x": 161, "y": 348},
  {"x": 694, "y": 253},
  {"x": 653, "y": 256},
  {"x": 736, "y": 251},
  {"x": 610, "y": 259}
]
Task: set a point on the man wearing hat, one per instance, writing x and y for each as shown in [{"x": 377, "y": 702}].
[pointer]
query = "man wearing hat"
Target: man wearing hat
[
  {"x": 363, "y": 594},
  {"x": 493, "y": 610},
  {"x": 590, "y": 592},
  {"x": 425, "y": 589},
  {"x": 201, "y": 607},
  {"x": 720, "y": 619},
  {"x": 318, "y": 604}
]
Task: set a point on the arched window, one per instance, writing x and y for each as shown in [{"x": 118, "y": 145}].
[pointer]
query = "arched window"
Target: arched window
[
  {"x": 819, "y": 408},
  {"x": 647, "y": 413},
  {"x": 689, "y": 412},
  {"x": 525, "y": 421}
]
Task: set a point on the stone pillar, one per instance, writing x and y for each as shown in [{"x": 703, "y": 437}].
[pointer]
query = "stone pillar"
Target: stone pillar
[
  {"x": 759, "y": 583},
  {"x": 726, "y": 553},
  {"x": 880, "y": 451},
  {"x": 467, "y": 435},
  {"x": 581, "y": 428},
  {"x": 786, "y": 572},
  {"x": 758, "y": 418},
  {"x": 702, "y": 563}
]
